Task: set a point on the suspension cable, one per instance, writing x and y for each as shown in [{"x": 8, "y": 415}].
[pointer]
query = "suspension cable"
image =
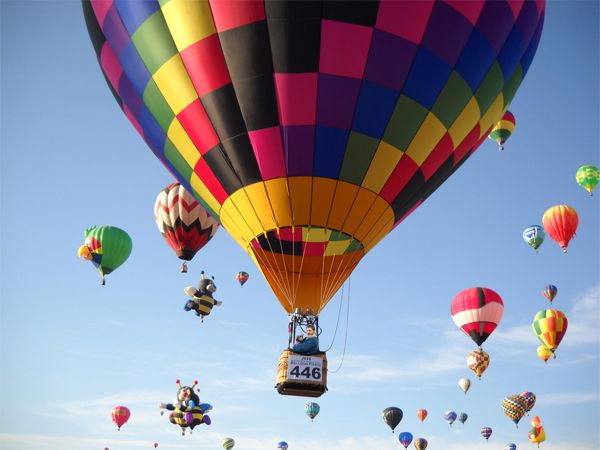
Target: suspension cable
[
  {"x": 346, "y": 335},
  {"x": 338, "y": 321}
]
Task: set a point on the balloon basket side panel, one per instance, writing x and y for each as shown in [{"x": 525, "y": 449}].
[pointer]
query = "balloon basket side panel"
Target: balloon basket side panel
[{"x": 306, "y": 376}]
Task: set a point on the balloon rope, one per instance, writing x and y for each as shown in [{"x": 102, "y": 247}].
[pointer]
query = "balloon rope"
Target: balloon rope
[
  {"x": 346, "y": 334},
  {"x": 337, "y": 322}
]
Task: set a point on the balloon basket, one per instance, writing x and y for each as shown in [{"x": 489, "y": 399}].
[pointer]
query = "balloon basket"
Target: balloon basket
[{"x": 302, "y": 375}]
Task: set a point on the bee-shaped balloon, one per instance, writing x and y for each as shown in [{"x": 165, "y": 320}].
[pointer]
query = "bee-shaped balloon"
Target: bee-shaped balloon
[
  {"x": 201, "y": 299},
  {"x": 187, "y": 409}
]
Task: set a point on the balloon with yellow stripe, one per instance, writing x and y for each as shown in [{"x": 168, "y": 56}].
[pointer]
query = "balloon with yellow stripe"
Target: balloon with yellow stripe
[
  {"x": 309, "y": 129},
  {"x": 550, "y": 326},
  {"x": 503, "y": 129}
]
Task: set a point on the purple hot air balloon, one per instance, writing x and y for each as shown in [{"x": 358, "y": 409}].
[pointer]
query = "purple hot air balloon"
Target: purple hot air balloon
[
  {"x": 486, "y": 432},
  {"x": 450, "y": 417}
]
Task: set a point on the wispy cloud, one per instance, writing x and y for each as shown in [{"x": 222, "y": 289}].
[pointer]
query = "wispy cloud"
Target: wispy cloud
[{"x": 569, "y": 398}]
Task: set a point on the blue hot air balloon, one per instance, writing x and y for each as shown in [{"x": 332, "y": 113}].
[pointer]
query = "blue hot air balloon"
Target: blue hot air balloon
[{"x": 405, "y": 438}]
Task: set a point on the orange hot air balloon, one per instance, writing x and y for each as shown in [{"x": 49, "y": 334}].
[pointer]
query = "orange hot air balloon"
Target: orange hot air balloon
[
  {"x": 560, "y": 222},
  {"x": 120, "y": 415},
  {"x": 422, "y": 414}
]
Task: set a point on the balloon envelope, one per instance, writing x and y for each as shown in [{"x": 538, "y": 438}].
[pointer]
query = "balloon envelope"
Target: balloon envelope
[
  {"x": 464, "y": 384},
  {"x": 544, "y": 353},
  {"x": 282, "y": 445},
  {"x": 477, "y": 312},
  {"x": 242, "y": 277},
  {"x": 587, "y": 177},
  {"x": 462, "y": 417},
  {"x": 405, "y": 438},
  {"x": 560, "y": 222},
  {"x": 182, "y": 221},
  {"x": 534, "y": 236},
  {"x": 312, "y": 129},
  {"x": 530, "y": 399},
  {"x": 421, "y": 414},
  {"x": 312, "y": 409},
  {"x": 392, "y": 416},
  {"x": 420, "y": 443},
  {"x": 550, "y": 292},
  {"x": 228, "y": 443},
  {"x": 503, "y": 129},
  {"x": 486, "y": 432},
  {"x": 478, "y": 361},
  {"x": 450, "y": 417},
  {"x": 550, "y": 326},
  {"x": 120, "y": 415},
  {"x": 510, "y": 447},
  {"x": 515, "y": 407},
  {"x": 107, "y": 247}
]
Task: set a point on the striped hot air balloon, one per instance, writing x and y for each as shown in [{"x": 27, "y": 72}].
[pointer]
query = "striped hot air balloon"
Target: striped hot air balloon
[
  {"x": 515, "y": 407},
  {"x": 392, "y": 416},
  {"x": 450, "y": 417},
  {"x": 550, "y": 292},
  {"x": 420, "y": 443},
  {"x": 560, "y": 222},
  {"x": 228, "y": 443},
  {"x": 477, "y": 311},
  {"x": 503, "y": 129},
  {"x": 550, "y": 326},
  {"x": 183, "y": 222},
  {"x": 421, "y": 414},
  {"x": 486, "y": 432},
  {"x": 242, "y": 277}
]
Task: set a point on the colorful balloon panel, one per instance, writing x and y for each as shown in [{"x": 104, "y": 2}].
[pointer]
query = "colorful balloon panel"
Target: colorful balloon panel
[
  {"x": 477, "y": 311},
  {"x": 560, "y": 222},
  {"x": 503, "y": 129},
  {"x": 550, "y": 326},
  {"x": 587, "y": 177},
  {"x": 312, "y": 129},
  {"x": 182, "y": 221}
]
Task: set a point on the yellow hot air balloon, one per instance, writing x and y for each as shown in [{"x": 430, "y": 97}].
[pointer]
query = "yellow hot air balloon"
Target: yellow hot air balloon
[
  {"x": 550, "y": 326},
  {"x": 544, "y": 353},
  {"x": 478, "y": 361}
]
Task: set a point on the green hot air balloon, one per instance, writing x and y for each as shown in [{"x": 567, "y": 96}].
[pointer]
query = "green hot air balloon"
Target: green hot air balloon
[
  {"x": 587, "y": 177},
  {"x": 106, "y": 247}
]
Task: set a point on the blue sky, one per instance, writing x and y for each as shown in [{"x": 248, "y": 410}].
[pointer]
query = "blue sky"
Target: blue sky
[{"x": 71, "y": 349}]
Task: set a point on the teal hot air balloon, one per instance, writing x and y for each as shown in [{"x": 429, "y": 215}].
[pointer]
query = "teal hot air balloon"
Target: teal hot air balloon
[
  {"x": 392, "y": 416},
  {"x": 106, "y": 247},
  {"x": 312, "y": 409},
  {"x": 462, "y": 417},
  {"x": 534, "y": 236}
]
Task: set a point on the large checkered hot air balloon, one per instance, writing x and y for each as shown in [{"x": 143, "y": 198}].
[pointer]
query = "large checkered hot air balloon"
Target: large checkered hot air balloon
[
  {"x": 312, "y": 129},
  {"x": 477, "y": 311},
  {"x": 183, "y": 222}
]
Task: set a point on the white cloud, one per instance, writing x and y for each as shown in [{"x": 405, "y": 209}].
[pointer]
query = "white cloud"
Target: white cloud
[{"x": 569, "y": 398}]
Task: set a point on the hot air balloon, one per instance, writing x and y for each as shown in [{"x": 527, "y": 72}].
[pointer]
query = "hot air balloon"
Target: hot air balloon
[
  {"x": 486, "y": 432},
  {"x": 550, "y": 326},
  {"x": 478, "y": 361},
  {"x": 405, "y": 438},
  {"x": 462, "y": 417},
  {"x": 120, "y": 415},
  {"x": 392, "y": 417},
  {"x": 228, "y": 443},
  {"x": 420, "y": 443},
  {"x": 510, "y": 447},
  {"x": 312, "y": 409},
  {"x": 242, "y": 277},
  {"x": 477, "y": 311},
  {"x": 156, "y": 445},
  {"x": 560, "y": 222},
  {"x": 537, "y": 435},
  {"x": 544, "y": 353},
  {"x": 550, "y": 292},
  {"x": 421, "y": 414},
  {"x": 106, "y": 247},
  {"x": 450, "y": 417},
  {"x": 503, "y": 129},
  {"x": 183, "y": 222},
  {"x": 187, "y": 410},
  {"x": 282, "y": 445},
  {"x": 311, "y": 130},
  {"x": 587, "y": 177},
  {"x": 534, "y": 236},
  {"x": 464, "y": 384},
  {"x": 530, "y": 399},
  {"x": 515, "y": 407}
]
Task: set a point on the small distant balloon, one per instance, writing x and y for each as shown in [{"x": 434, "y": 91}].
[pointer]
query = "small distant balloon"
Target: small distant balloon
[
  {"x": 534, "y": 236},
  {"x": 464, "y": 384},
  {"x": 228, "y": 443},
  {"x": 450, "y": 417},
  {"x": 544, "y": 353},
  {"x": 587, "y": 177},
  {"x": 120, "y": 415},
  {"x": 486, "y": 432},
  {"x": 405, "y": 438},
  {"x": 392, "y": 416},
  {"x": 503, "y": 129},
  {"x": 550, "y": 292},
  {"x": 530, "y": 399},
  {"x": 420, "y": 443},
  {"x": 510, "y": 447},
  {"x": 312, "y": 409},
  {"x": 155, "y": 444},
  {"x": 462, "y": 417},
  {"x": 282, "y": 445},
  {"x": 478, "y": 361},
  {"x": 560, "y": 222},
  {"x": 242, "y": 277},
  {"x": 421, "y": 414}
]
